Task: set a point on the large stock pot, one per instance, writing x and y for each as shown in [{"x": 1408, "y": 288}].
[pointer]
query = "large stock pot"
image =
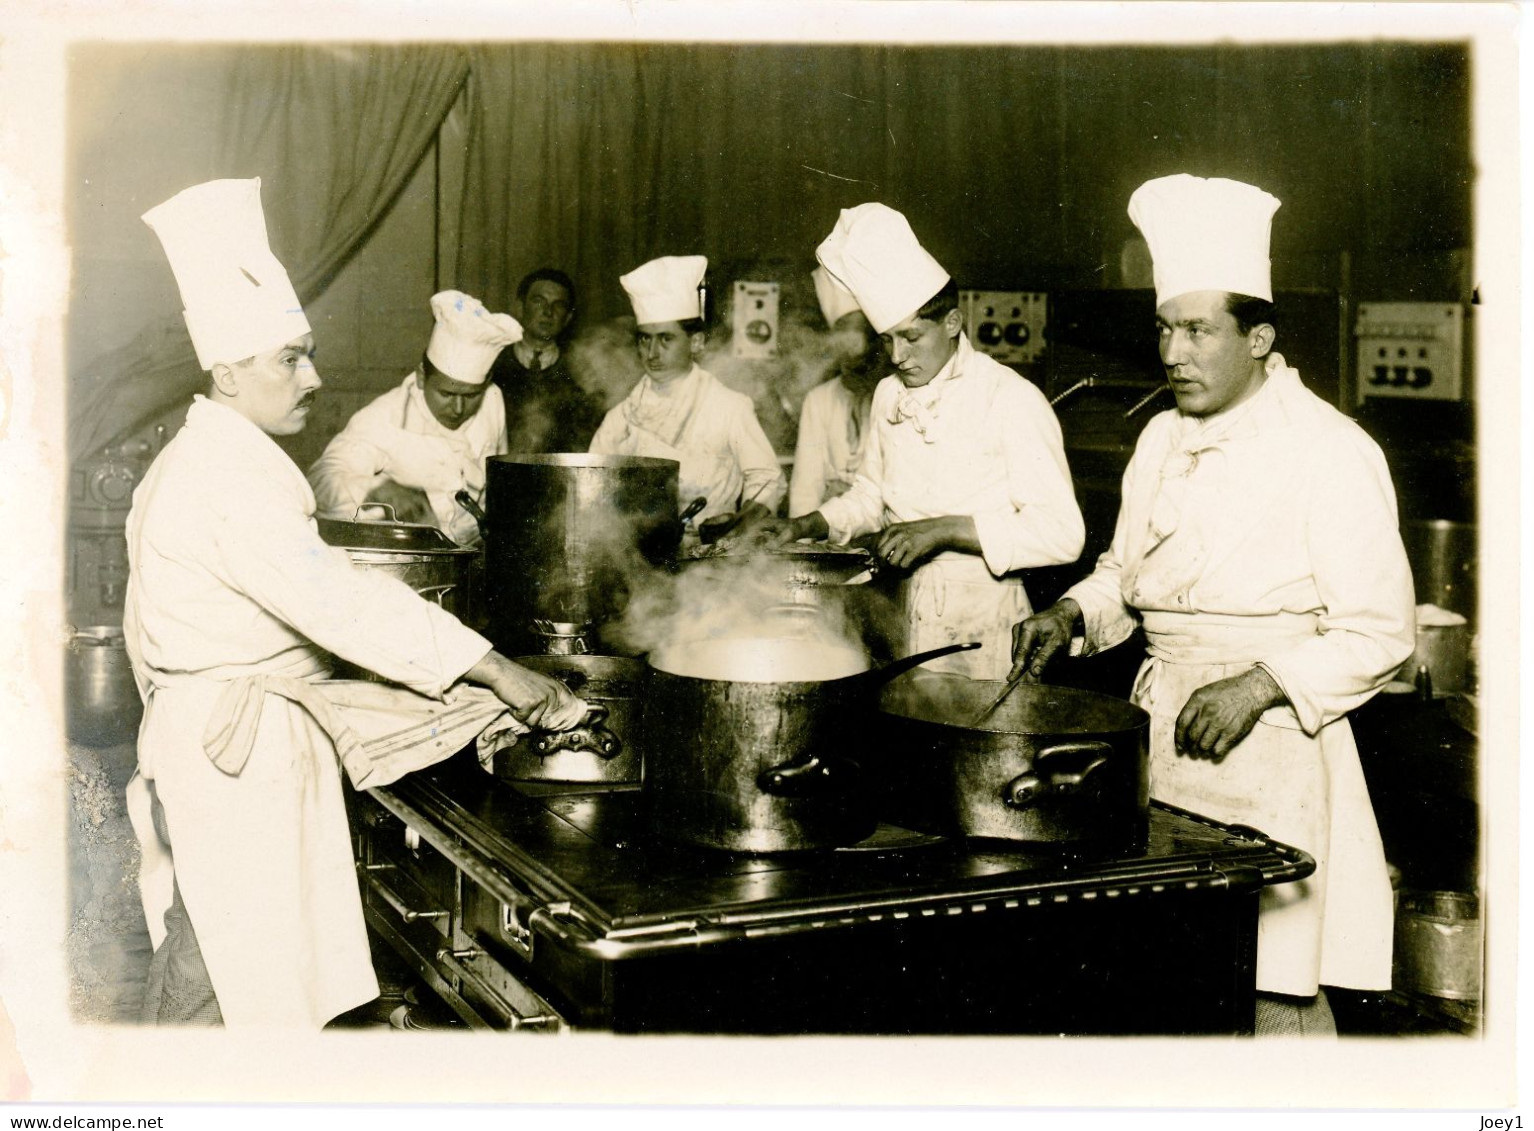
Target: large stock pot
[
  {"x": 1051, "y": 765},
  {"x": 757, "y": 745},
  {"x": 566, "y": 533}
]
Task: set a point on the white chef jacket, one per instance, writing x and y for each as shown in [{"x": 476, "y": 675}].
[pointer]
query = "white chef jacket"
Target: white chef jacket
[
  {"x": 711, "y": 430},
  {"x": 1267, "y": 535},
  {"x": 229, "y": 579},
  {"x": 977, "y": 440},
  {"x": 833, "y": 431},
  {"x": 397, "y": 437}
]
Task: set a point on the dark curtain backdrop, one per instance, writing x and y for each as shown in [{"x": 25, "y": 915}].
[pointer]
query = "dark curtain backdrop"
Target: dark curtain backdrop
[
  {"x": 1014, "y": 164},
  {"x": 334, "y": 133}
]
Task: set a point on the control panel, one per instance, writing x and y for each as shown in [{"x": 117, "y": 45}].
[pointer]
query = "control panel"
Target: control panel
[
  {"x": 1409, "y": 349},
  {"x": 1008, "y": 325},
  {"x": 754, "y": 320}
]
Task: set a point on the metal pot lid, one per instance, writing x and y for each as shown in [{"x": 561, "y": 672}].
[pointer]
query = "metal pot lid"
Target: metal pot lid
[{"x": 387, "y": 535}]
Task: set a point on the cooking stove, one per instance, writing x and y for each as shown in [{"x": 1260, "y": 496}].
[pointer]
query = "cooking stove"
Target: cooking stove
[{"x": 543, "y": 906}]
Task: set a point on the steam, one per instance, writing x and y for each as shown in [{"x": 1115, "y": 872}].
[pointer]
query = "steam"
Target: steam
[
  {"x": 734, "y": 600},
  {"x": 604, "y": 363}
]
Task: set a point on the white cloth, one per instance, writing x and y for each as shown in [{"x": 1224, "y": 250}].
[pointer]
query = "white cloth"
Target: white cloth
[
  {"x": 711, "y": 430},
  {"x": 833, "y": 431},
  {"x": 229, "y": 580},
  {"x": 875, "y": 255},
  {"x": 1206, "y": 235},
  {"x": 238, "y": 299},
  {"x": 1267, "y": 535},
  {"x": 666, "y": 289},
  {"x": 397, "y": 437},
  {"x": 990, "y": 449}
]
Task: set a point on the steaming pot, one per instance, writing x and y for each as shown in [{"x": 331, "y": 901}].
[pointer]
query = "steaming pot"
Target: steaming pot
[
  {"x": 755, "y": 760},
  {"x": 1052, "y": 765},
  {"x": 564, "y": 533}
]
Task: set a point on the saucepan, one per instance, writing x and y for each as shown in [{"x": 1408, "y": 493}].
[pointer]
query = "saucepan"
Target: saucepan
[
  {"x": 1050, "y": 765},
  {"x": 754, "y": 745},
  {"x": 606, "y": 747}
]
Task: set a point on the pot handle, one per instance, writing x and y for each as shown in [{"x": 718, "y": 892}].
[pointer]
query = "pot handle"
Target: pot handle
[
  {"x": 799, "y": 779},
  {"x": 1043, "y": 780},
  {"x": 590, "y": 736}
]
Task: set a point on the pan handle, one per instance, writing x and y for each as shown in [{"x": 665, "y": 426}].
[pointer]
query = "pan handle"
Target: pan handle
[
  {"x": 466, "y": 501},
  {"x": 1043, "y": 780},
  {"x": 801, "y": 779},
  {"x": 591, "y": 736},
  {"x": 886, "y": 672}
]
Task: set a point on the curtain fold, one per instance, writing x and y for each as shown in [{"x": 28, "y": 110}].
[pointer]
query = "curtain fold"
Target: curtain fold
[{"x": 335, "y": 134}]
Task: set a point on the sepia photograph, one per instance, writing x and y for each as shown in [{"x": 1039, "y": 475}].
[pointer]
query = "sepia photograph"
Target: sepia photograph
[{"x": 868, "y": 554}]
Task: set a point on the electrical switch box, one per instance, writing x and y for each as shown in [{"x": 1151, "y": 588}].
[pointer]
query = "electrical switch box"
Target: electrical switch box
[
  {"x": 1008, "y": 325},
  {"x": 754, "y": 320},
  {"x": 1410, "y": 349}
]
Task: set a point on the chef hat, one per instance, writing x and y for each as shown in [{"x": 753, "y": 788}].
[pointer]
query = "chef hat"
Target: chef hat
[
  {"x": 666, "y": 289},
  {"x": 467, "y": 337},
  {"x": 1206, "y": 235},
  {"x": 836, "y": 301},
  {"x": 237, "y": 298},
  {"x": 874, "y": 254}
]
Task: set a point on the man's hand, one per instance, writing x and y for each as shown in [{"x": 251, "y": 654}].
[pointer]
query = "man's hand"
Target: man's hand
[
  {"x": 409, "y": 503},
  {"x": 812, "y": 525},
  {"x": 1035, "y": 641},
  {"x": 907, "y": 544},
  {"x": 1219, "y": 715},
  {"x": 752, "y": 525},
  {"x": 536, "y": 699}
]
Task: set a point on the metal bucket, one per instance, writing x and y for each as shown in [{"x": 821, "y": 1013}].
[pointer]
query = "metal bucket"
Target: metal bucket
[
  {"x": 102, "y": 705},
  {"x": 1443, "y": 557},
  {"x": 1438, "y": 944}
]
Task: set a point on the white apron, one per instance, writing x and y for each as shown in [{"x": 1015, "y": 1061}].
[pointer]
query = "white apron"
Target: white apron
[{"x": 1335, "y": 927}]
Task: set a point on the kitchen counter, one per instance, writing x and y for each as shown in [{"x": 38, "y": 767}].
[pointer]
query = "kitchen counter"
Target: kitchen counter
[{"x": 549, "y": 907}]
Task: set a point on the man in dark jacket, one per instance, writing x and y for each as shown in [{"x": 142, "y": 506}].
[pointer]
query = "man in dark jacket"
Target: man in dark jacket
[{"x": 546, "y": 410}]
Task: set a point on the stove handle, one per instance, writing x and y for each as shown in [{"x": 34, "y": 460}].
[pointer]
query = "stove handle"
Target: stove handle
[{"x": 1043, "y": 780}]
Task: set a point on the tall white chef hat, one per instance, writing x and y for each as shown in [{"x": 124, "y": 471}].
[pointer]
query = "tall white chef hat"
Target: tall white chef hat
[
  {"x": 467, "y": 337},
  {"x": 238, "y": 300},
  {"x": 1206, "y": 235},
  {"x": 666, "y": 289},
  {"x": 836, "y": 301},
  {"x": 874, "y": 254}
]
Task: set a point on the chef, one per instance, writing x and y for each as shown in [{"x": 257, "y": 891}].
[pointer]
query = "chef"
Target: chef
[
  {"x": 680, "y": 411},
  {"x": 232, "y": 603},
  {"x": 1257, "y": 544},
  {"x": 427, "y": 438},
  {"x": 833, "y": 423},
  {"x": 964, "y": 471}
]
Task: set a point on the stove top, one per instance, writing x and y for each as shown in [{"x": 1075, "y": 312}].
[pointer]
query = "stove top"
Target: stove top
[{"x": 585, "y": 851}]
